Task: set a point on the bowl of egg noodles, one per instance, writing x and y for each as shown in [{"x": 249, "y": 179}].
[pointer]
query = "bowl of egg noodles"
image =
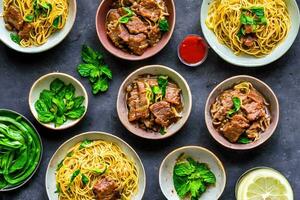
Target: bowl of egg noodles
[
  {"x": 250, "y": 33},
  {"x": 33, "y": 26}
]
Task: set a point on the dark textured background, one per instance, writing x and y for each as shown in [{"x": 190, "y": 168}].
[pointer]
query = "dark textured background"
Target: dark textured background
[{"x": 19, "y": 71}]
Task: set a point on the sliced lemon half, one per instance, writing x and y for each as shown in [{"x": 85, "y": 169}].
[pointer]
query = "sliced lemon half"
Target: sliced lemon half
[{"x": 264, "y": 184}]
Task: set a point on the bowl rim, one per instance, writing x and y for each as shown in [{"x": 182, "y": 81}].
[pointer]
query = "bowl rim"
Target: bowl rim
[
  {"x": 101, "y": 133},
  {"x": 41, "y": 153},
  {"x": 234, "y": 146},
  {"x": 189, "y": 99},
  {"x": 128, "y": 56},
  {"x": 195, "y": 148},
  {"x": 249, "y": 64},
  {"x": 73, "y": 122},
  {"x": 35, "y": 49}
]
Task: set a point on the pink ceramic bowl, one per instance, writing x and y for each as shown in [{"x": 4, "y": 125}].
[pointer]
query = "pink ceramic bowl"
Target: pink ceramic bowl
[
  {"x": 267, "y": 93},
  {"x": 101, "y": 14}
]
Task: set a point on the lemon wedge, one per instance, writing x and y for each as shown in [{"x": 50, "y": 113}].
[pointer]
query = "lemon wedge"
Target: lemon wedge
[{"x": 264, "y": 184}]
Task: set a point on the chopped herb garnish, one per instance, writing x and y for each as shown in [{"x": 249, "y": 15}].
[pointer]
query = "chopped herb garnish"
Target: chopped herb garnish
[
  {"x": 163, "y": 25},
  {"x": 236, "y": 106},
  {"x": 162, "y": 83},
  {"x": 28, "y": 18},
  {"x": 244, "y": 140},
  {"x": 15, "y": 37},
  {"x": 56, "y": 21},
  {"x": 125, "y": 18}
]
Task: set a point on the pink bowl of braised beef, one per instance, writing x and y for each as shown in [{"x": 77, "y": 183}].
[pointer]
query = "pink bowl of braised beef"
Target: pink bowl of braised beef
[{"x": 135, "y": 30}]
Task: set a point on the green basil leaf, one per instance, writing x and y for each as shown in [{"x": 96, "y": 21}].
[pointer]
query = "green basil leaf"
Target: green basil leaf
[
  {"x": 40, "y": 107},
  {"x": 78, "y": 101},
  {"x": 184, "y": 169},
  {"x": 60, "y": 105},
  {"x": 46, "y": 117},
  {"x": 60, "y": 120},
  {"x": 46, "y": 96},
  {"x": 56, "y": 85},
  {"x": 28, "y": 18},
  {"x": 15, "y": 38},
  {"x": 84, "y": 179},
  {"x": 56, "y": 21},
  {"x": 85, "y": 144},
  {"x": 163, "y": 25},
  {"x": 70, "y": 92},
  {"x": 76, "y": 113}
]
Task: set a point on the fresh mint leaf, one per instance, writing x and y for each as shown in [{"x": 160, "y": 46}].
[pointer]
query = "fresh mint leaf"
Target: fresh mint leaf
[
  {"x": 85, "y": 69},
  {"x": 89, "y": 56},
  {"x": 76, "y": 113},
  {"x": 184, "y": 169},
  {"x": 46, "y": 117},
  {"x": 69, "y": 92},
  {"x": 78, "y": 101},
  {"x": 56, "y": 85},
  {"x": 181, "y": 185},
  {"x": 105, "y": 70},
  {"x": 100, "y": 85}
]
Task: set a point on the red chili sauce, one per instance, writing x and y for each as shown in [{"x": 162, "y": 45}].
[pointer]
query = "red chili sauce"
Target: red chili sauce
[{"x": 193, "y": 49}]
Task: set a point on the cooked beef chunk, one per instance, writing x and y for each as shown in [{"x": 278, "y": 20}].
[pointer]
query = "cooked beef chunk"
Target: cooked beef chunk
[
  {"x": 136, "y": 25},
  {"x": 25, "y": 32},
  {"x": 154, "y": 35},
  {"x": 173, "y": 94},
  {"x": 138, "y": 43},
  {"x": 137, "y": 102},
  {"x": 13, "y": 17},
  {"x": 255, "y": 96},
  {"x": 163, "y": 113},
  {"x": 254, "y": 110},
  {"x": 253, "y": 131},
  {"x": 234, "y": 128},
  {"x": 106, "y": 189},
  {"x": 148, "y": 9}
]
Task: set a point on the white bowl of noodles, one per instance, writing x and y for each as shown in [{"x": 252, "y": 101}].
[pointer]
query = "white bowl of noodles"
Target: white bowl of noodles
[
  {"x": 243, "y": 59},
  {"x": 50, "y": 41},
  {"x": 121, "y": 164}
]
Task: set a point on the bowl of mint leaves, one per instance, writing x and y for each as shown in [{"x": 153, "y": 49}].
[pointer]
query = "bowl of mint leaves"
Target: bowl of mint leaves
[
  {"x": 192, "y": 173},
  {"x": 58, "y": 101}
]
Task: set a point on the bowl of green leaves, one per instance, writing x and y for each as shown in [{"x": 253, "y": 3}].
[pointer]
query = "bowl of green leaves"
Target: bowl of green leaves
[
  {"x": 192, "y": 172},
  {"x": 21, "y": 150},
  {"x": 58, "y": 101}
]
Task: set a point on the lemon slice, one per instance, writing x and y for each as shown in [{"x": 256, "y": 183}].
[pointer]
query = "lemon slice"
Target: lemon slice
[{"x": 264, "y": 184}]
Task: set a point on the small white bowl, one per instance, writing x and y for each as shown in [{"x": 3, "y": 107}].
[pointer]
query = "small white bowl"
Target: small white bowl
[
  {"x": 61, "y": 152},
  {"x": 44, "y": 83},
  {"x": 245, "y": 60},
  {"x": 199, "y": 154},
  {"x": 53, "y": 40}
]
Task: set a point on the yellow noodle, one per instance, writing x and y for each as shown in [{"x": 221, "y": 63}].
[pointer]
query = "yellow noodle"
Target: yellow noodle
[
  {"x": 224, "y": 20},
  {"x": 97, "y": 155},
  {"x": 42, "y": 25}
]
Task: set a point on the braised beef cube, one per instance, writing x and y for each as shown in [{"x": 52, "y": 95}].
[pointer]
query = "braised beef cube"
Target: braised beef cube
[
  {"x": 136, "y": 25},
  {"x": 138, "y": 43},
  {"x": 138, "y": 102},
  {"x": 154, "y": 35},
  {"x": 25, "y": 32},
  {"x": 254, "y": 110},
  {"x": 163, "y": 113},
  {"x": 234, "y": 128},
  {"x": 106, "y": 189},
  {"x": 253, "y": 131},
  {"x": 13, "y": 17},
  {"x": 173, "y": 94},
  {"x": 148, "y": 9},
  {"x": 255, "y": 96}
]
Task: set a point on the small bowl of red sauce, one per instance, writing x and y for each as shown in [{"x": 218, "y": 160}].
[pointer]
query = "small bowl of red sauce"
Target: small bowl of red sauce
[{"x": 192, "y": 51}]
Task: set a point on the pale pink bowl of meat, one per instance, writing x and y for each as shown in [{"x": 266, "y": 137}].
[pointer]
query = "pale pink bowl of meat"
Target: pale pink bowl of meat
[
  {"x": 186, "y": 99},
  {"x": 101, "y": 16},
  {"x": 264, "y": 90}
]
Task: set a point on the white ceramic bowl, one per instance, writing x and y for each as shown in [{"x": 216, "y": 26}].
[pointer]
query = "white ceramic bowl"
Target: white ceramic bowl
[
  {"x": 154, "y": 70},
  {"x": 44, "y": 83},
  {"x": 53, "y": 40},
  {"x": 200, "y": 154},
  {"x": 245, "y": 60},
  {"x": 62, "y": 151}
]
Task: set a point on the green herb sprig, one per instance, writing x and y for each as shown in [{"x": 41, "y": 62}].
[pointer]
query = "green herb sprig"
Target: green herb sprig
[
  {"x": 125, "y": 18},
  {"x": 236, "y": 106},
  {"x": 192, "y": 178},
  {"x": 163, "y": 25},
  {"x": 94, "y": 68},
  {"x": 59, "y": 104}
]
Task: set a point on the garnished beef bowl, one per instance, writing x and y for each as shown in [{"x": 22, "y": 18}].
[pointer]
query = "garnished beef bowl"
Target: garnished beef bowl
[
  {"x": 135, "y": 29},
  {"x": 154, "y": 102},
  {"x": 241, "y": 112}
]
